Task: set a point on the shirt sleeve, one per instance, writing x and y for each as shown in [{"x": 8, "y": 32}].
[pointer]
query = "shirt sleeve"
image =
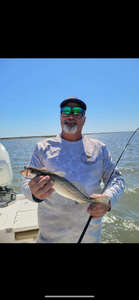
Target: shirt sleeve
[
  {"x": 116, "y": 184},
  {"x": 37, "y": 162},
  {"x": 36, "y": 158}
]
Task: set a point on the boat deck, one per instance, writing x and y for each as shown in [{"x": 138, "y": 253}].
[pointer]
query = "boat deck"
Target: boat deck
[{"x": 19, "y": 222}]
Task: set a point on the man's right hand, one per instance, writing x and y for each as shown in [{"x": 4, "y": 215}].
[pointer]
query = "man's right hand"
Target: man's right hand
[{"x": 41, "y": 186}]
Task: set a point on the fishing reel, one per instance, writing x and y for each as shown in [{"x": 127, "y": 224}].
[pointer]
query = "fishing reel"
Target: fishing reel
[{"x": 7, "y": 195}]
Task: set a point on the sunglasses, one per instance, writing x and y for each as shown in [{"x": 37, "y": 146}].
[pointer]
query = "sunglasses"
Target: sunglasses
[{"x": 77, "y": 112}]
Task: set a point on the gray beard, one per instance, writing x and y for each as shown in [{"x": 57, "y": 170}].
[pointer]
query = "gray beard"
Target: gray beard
[{"x": 70, "y": 128}]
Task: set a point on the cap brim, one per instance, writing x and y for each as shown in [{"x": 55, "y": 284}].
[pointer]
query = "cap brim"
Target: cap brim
[{"x": 78, "y": 101}]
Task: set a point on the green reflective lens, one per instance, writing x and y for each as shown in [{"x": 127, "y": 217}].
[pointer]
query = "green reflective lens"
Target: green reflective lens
[
  {"x": 77, "y": 112},
  {"x": 66, "y": 109}
]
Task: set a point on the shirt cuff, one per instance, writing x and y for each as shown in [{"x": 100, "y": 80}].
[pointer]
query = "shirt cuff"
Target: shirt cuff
[{"x": 36, "y": 199}]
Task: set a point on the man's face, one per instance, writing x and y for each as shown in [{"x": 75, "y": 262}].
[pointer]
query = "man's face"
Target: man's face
[{"x": 70, "y": 124}]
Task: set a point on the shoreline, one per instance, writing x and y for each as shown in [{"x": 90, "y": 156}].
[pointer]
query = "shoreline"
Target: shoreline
[{"x": 49, "y": 136}]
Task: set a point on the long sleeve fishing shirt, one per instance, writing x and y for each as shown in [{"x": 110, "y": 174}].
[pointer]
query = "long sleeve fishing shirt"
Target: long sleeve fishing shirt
[{"x": 61, "y": 220}]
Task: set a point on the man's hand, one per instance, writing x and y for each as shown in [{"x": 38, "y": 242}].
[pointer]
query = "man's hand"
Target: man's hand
[
  {"x": 98, "y": 209},
  {"x": 40, "y": 186}
]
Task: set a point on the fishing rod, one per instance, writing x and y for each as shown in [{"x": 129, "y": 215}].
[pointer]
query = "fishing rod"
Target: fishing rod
[{"x": 87, "y": 224}]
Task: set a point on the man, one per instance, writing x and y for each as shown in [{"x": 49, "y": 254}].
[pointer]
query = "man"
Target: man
[{"x": 84, "y": 160}]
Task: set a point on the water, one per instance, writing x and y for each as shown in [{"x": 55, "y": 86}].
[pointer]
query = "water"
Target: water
[{"x": 121, "y": 225}]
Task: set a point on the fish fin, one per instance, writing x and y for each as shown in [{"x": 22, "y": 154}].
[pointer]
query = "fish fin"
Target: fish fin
[
  {"x": 61, "y": 173},
  {"x": 104, "y": 200},
  {"x": 76, "y": 202},
  {"x": 80, "y": 188}
]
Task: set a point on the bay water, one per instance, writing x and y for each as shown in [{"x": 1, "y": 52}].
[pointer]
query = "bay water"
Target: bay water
[{"x": 121, "y": 224}]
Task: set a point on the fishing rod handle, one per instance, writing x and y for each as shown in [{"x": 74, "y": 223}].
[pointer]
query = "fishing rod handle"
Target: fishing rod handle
[{"x": 84, "y": 230}]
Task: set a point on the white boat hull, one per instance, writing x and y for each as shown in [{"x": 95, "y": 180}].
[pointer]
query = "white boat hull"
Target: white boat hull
[{"x": 19, "y": 222}]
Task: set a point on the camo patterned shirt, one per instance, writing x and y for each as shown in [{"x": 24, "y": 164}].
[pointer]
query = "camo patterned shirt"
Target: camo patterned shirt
[{"x": 87, "y": 161}]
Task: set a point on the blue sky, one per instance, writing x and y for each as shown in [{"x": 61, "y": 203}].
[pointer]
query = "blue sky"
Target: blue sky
[{"x": 31, "y": 91}]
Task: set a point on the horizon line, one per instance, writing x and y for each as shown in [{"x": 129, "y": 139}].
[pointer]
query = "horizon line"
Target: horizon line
[{"x": 47, "y": 136}]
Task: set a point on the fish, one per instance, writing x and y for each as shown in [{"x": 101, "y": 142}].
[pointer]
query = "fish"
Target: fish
[{"x": 69, "y": 189}]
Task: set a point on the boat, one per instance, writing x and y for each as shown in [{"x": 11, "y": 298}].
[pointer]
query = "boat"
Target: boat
[{"x": 18, "y": 215}]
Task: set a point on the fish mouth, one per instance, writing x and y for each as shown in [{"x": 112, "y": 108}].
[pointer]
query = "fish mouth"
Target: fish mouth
[
  {"x": 22, "y": 172},
  {"x": 27, "y": 173}
]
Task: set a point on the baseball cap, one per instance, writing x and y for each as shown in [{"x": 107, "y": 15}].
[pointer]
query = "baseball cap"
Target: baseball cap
[{"x": 73, "y": 99}]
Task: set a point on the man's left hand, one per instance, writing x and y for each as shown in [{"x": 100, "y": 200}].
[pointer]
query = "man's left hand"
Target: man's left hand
[{"x": 97, "y": 209}]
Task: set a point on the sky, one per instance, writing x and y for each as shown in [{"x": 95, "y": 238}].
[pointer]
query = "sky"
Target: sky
[{"x": 31, "y": 91}]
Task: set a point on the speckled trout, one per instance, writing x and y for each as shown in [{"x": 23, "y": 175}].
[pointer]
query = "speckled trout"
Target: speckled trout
[{"x": 69, "y": 189}]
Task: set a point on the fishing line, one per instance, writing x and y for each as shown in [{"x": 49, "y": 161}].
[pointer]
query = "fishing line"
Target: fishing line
[{"x": 87, "y": 224}]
